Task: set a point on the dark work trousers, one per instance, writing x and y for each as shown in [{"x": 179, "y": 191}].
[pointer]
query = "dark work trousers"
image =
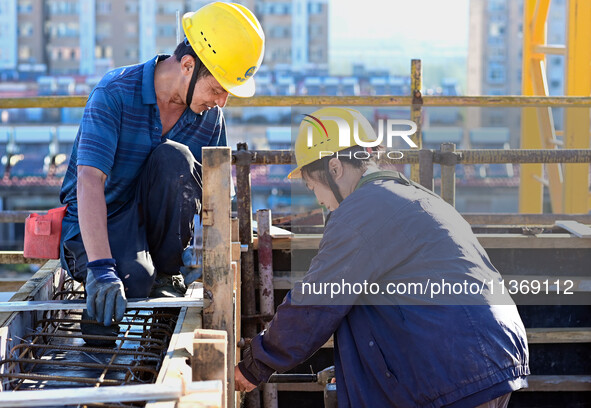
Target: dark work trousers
[{"x": 148, "y": 235}]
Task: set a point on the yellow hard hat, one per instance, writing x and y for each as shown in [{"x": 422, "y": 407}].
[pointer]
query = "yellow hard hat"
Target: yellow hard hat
[
  {"x": 229, "y": 40},
  {"x": 320, "y": 134}
]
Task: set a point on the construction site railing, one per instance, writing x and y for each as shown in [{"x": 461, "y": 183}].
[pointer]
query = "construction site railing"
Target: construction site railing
[
  {"x": 262, "y": 101},
  {"x": 447, "y": 157}
]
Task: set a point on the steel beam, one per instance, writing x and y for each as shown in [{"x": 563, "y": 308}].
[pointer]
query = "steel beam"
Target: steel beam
[{"x": 577, "y": 123}]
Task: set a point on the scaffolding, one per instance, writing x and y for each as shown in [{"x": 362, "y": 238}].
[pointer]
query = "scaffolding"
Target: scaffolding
[{"x": 230, "y": 278}]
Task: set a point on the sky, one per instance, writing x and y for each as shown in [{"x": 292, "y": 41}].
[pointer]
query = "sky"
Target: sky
[{"x": 387, "y": 34}]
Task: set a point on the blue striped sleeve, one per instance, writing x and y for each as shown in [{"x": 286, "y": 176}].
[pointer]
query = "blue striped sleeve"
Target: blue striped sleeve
[{"x": 99, "y": 131}]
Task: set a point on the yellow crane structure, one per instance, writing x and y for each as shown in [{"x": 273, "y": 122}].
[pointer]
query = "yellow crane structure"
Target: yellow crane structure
[{"x": 569, "y": 183}]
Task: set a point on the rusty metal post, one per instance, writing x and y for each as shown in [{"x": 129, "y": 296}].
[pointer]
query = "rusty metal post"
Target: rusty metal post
[
  {"x": 244, "y": 201},
  {"x": 426, "y": 168},
  {"x": 448, "y": 175},
  {"x": 416, "y": 110},
  {"x": 266, "y": 297}
]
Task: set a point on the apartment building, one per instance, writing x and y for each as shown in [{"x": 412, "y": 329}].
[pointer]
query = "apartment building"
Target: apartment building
[
  {"x": 88, "y": 37},
  {"x": 495, "y": 59}
]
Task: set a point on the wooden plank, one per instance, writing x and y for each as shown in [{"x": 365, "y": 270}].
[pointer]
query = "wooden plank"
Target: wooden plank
[
  {"x": 205, "y": 393},
  {"x": 496, "y": 241},
  {"x": 296, "y": 241},
  {"x": 548, "y": 383},
  {"x": 536, "y": 383},
  {"x": 575, "y": 228},
  {"x": 175, "y": 368},
  {"x": 237, "y": 318},
  {"x": 16, "y": 257},
  {"x": 193, "y": 399},
  {"x": 11, "y": 285},
  {"x": 266, "y": 297},
  {"x": 300, "y": 387},
  {"x": 43, "y": 277},
  {"x": 23, "y": 306},
  {"x": 235, "y": 229},
  {"x": 547, "y": 335},
  {"x": 17, "y": 216},
  {"x": 540, "y": 241},
  {"x": 218, "y": 279},
  {"x": 275, "y": 232},
  {"x": 235, "y": 251},
  {"x": 556, "y": 335},
  {"x": 209, "y": 361}
]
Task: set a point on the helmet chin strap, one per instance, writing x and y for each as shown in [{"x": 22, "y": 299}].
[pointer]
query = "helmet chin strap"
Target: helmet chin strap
[
  {"x": 193, "y": 82},
  {"x": 332, "y": 184}
]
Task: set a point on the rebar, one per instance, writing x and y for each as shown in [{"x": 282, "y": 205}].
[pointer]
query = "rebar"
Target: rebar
[{"x": 57, "y": 344}]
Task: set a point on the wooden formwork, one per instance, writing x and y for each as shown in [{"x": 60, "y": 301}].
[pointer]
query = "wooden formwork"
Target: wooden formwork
[
  {"x": 524, "y": 247},
  {"x": 173, "y": 384},
  {"x": 198, "y": 367},
  {"x": 540, "y": 255}
]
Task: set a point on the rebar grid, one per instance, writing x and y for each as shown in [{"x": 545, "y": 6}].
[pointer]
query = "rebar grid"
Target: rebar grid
[{"x": 55, "y": 353}]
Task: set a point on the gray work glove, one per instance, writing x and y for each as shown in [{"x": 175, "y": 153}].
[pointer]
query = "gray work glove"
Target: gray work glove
[{"x": 105, "y": 296}]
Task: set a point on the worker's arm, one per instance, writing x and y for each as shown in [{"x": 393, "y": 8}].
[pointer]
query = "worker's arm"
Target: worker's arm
[
  {"x": 105, "y": 295},
  {"x": 295, "y": 333},
  {"x": 92, "y": 212},
  {"x": 303, "y": 323}
]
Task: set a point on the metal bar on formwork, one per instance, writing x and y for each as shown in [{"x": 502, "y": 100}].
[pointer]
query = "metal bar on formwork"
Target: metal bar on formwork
[
  {"x": 243, "y": 158},
  {"x": 426, "y": 168},
  {"x": 523, "y": 219},
  {"x": 520, "y": 156},
  {"x": 266, "y": 297},
  {"x": 16, "y": 216},
  {"x": 531, "y": 191},
  {"x": 472, "y": 156},
  {"x": 287, "y": 157},
  {"x": 218, "y": 278},
  {"x": 577, "y": 122},
  {"x": 416, "y": 110},
  {"x": 448, "y": 175},
  {"x": 261, "y": 101},
  {"x": 548, "y": 136}
]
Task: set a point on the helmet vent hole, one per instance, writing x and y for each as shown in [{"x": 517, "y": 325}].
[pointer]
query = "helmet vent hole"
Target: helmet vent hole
[
  {"x": 214, "y": 52},
  {"x": 202, "y": 33},
  {"x": 209, "y": 45}
]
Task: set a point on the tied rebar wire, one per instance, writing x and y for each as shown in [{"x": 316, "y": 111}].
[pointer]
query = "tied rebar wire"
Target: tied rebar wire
[{"x": 55, "y": 354}]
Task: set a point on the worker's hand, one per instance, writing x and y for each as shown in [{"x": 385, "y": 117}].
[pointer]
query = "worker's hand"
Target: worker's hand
[
  {"x": 105, "y": 296},
  {"x": 241, "y": 383},
  {"x": 192, "y": 269}
]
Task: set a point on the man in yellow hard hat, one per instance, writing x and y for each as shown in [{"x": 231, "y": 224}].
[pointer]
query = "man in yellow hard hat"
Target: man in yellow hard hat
[
  {"x": 133, "y": 183},
  {"x": 381, "y": 282}
]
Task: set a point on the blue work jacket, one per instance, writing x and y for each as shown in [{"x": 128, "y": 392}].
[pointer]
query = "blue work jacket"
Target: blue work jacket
[{"x": 399, "y": 350}]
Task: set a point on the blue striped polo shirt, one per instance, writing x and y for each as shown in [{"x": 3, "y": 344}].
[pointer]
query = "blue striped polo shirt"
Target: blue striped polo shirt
[{"x": 120, "y": 128}]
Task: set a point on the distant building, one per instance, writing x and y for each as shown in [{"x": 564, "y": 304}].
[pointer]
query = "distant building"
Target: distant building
[
  {"x": 88, "y": 37},
  {"x": 495, "y": 59},
  {"x": 296, "y": 32}
]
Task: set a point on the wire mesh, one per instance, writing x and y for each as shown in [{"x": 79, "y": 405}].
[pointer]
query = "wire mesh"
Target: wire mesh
[{"x": 55, "y": 353}]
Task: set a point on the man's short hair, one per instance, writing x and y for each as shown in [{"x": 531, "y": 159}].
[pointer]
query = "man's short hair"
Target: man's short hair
[{"x": 184, "y": 48}]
